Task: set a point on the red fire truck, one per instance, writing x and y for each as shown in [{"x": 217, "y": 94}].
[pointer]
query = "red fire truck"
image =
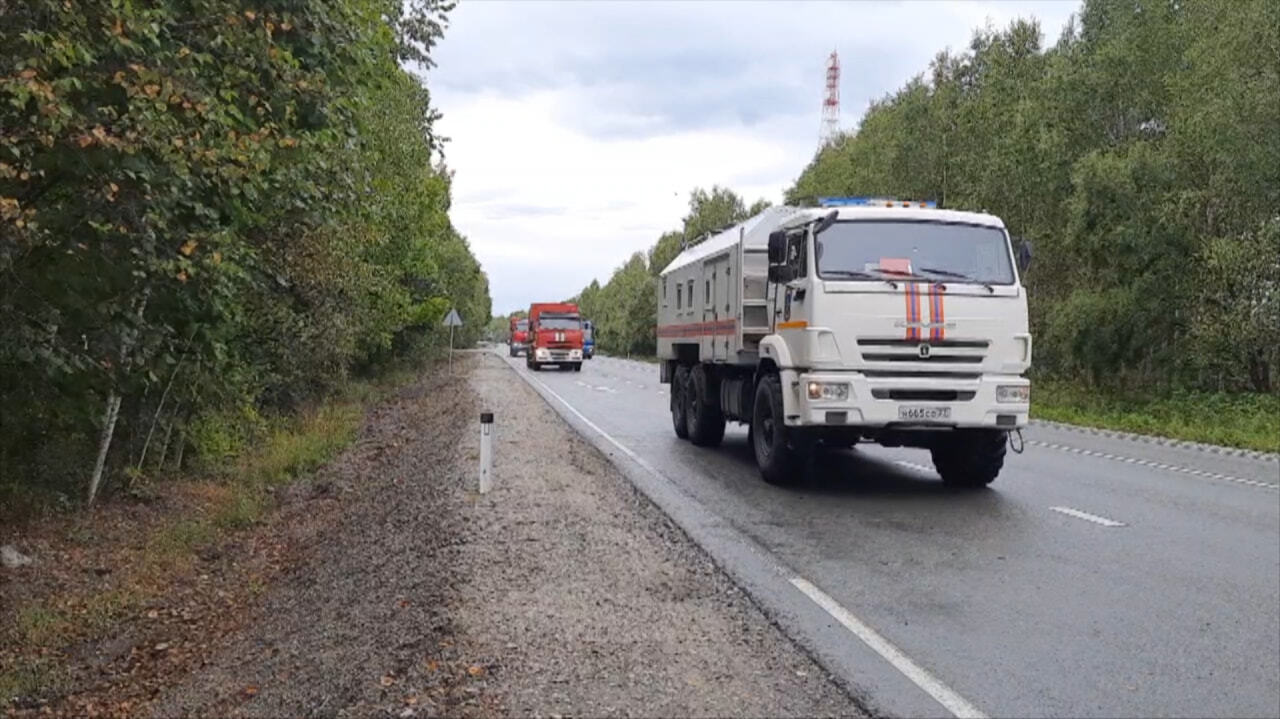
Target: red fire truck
[
  {"x": 555, "y": 336},
  {"x": 519, "y": 341}
]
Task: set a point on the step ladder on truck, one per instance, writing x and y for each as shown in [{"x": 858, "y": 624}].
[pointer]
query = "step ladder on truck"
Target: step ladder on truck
[{"x": 856, "y": 320}]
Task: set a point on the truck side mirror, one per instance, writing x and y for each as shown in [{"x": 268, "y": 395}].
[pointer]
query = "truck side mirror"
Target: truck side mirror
[
  {"x": 1023, "y": 250},
  {"x": 826, "y": 222},
  {"x": 777, "y": 247},
  {"x": 780, "y": 273}
]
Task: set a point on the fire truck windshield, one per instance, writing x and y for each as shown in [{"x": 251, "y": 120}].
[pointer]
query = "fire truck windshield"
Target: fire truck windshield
[
  {"x": 559, "y": 322},
  {"x": 929, "y": 250}
]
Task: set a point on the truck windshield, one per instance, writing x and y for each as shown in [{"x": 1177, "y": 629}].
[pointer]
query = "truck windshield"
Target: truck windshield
[
  {"x": 522, "y": 326},
  {"x": 559, "y": 322},
  {"x": 932, "y": 250}
]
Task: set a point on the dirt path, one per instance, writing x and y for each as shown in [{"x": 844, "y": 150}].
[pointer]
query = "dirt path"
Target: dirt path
[{"x": 562, "y": 592}]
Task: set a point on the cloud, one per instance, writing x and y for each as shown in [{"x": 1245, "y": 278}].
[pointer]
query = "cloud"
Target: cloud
[{"x": 578, "y": 129}]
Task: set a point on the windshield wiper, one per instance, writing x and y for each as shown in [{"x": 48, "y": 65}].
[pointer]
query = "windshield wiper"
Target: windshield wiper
[
  {"x": 865, "y": 275},
  {"x": 959, "y": 276}
]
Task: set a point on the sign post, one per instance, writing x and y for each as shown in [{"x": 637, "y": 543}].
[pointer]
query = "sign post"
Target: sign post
[
  {"x": 452, "y": 320},
  {"x": 486, "y": 452}
]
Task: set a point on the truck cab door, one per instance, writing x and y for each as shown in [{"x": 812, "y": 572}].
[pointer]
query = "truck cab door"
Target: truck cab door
[{"x": 706, "y": 300}]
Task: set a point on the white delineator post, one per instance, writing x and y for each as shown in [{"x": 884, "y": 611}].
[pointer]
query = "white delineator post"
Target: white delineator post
[{"x": 486, "y": 452}]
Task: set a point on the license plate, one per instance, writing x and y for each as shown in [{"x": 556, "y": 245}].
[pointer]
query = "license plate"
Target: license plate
[{"x": 926, "y": 414}]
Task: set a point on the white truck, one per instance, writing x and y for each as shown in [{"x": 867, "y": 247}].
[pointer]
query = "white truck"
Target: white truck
[{"x": 860, "y": 320}]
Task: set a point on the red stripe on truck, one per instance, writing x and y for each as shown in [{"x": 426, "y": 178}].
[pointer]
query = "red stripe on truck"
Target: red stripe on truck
[{"x": 699, "y": 329}]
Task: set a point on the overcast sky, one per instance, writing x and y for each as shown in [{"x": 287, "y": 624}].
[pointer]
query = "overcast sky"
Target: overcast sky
[{"x": 577, "y": 129}]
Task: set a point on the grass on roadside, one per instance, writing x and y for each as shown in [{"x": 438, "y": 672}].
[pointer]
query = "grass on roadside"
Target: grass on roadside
[
  {"x": 1247, "y": 421},
  {"x": 222, "y": 499}
]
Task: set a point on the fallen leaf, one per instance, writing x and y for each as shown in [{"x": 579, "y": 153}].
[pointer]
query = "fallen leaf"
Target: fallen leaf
[
  {"x": 432, "y": 666},
  {"x": 182, "y": 276},
  {"x": 411, "y": 700},
  {"x": 250, "y": 14},
  {"x": 250, "y": 691},
  {"x": 402, "y": 603},
  {"x": 475, "y": 670},
  {"x": 188, "y": 247},
  {"x": 387, "y": 680}
]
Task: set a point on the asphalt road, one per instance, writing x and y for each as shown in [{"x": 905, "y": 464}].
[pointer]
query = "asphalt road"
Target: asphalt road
[{"x": 1096, "y": 577}]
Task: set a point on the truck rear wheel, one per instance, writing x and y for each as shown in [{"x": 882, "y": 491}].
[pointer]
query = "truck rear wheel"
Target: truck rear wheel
[
  {"x": 777, "y": 459},
  {"x": 706, "y": 422},
  {"x": 679, "y": 383},
  {"x": 970, "y": 458}
]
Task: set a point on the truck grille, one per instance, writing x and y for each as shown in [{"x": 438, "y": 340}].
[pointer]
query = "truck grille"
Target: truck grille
[
  {"x": 924, "y": 395},
  {"x": 562, "y": 355},
  {"x": 940, "y": 352}
]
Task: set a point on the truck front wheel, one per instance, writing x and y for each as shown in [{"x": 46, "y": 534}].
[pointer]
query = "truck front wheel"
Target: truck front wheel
[
  {"x": 679, "y": 383},
  {"x": 970, "y": 458},
  {"x": 777, "y": 459},
  {"x": 706, "y": 422}
]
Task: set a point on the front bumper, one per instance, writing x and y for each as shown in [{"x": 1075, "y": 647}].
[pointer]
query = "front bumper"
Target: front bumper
[
  {"x": 553, "y": 356},
  {"x": 863, "y": 407}
]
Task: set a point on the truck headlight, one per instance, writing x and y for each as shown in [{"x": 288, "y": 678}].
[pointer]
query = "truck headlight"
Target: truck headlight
[
  {"x": 541, "y": 352},
  {"x": 1013, "y": 393},
  {"x": 828, "y": 390},
  {"x": 575, "y": 354}
]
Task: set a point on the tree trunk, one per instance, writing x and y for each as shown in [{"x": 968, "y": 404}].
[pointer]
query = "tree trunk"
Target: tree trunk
[
  {"x": 160, "y": 408},
  {"x": 113, "y": 405},
  {"x": 108, "y": 429},
  {"x": 168, "y": 435}
]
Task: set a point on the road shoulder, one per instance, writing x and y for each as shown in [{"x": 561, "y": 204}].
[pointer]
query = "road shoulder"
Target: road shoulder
[{"x": 563, "y": 591}]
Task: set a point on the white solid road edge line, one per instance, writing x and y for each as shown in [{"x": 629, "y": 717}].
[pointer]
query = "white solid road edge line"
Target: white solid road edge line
[
  {"x": 943, "y": 694},
  {"x": 1087, "y": 517}
]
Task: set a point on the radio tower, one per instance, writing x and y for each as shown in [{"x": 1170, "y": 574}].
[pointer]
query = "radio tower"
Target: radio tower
[{"x": 831, "y": 103}]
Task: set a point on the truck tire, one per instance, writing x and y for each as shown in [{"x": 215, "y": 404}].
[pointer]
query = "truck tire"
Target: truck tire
[
  {"x": 775, "y": 456},
  {"x": 511, "y": 351},
  {"x": 577, "y": 366},
  {"x": 706, "y": 421},
  {"x": 970, "y": 458},
  {"x": 678, "y": 386}
]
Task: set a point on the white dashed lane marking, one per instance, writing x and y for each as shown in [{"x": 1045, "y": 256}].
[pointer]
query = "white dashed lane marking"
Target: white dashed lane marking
[
  {"x": 1087, "y": 517},
  {"x": 917, "y": 467},
  {"x": 1153, "y": 465}
]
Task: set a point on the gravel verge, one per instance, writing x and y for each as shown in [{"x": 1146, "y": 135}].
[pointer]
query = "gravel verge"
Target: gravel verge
[{"x": 562, "y": 592}]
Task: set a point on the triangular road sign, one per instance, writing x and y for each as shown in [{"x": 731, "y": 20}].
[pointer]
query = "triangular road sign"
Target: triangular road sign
[{"x": 452, "y": 319}]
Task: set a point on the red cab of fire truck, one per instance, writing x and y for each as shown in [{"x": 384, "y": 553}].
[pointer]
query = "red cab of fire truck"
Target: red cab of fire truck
[{"x": 555, "y": 336}]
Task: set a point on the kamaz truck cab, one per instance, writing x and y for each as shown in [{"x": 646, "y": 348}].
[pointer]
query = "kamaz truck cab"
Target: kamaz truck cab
[
  {"x": 555, "y": 336},
  {"x": 519, "y": 343}
]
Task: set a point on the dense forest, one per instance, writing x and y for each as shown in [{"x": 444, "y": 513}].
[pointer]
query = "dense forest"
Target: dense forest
[
  {"x": 1140, "y": 155},
  {"x": 211, "y": 215}
]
